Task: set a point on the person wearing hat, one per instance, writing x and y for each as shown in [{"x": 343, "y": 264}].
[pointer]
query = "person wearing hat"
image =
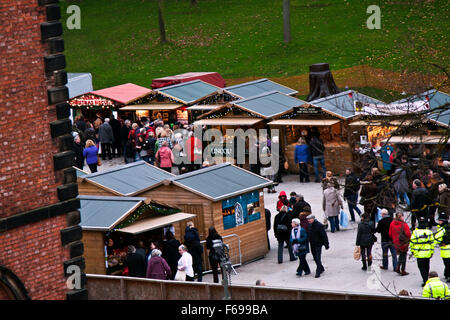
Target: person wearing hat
[
  {"x": 106, "y": 137},
  {"x": 422, "y": 247},
  {"x": 317, "y": 238},
  {"x": 442, "y": 238},
  {"x": 300, "y": 245}
]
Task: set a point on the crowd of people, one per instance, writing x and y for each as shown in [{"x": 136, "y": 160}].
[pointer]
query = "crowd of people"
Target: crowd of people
[
  {"x": 389, "y": 197},
  {"x": 169, "y": 259},
  {"x": 154, "y": 142}
]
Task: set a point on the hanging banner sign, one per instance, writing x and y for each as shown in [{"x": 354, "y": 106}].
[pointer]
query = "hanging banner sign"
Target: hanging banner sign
[
  {"x": 90, "y": 100},
  {"x": 390, "y": 109}
]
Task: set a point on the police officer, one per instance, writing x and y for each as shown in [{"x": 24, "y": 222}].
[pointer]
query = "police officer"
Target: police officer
[
  {"x": 435, "y": 288},
  {"x": 422, "y": 247},
  {"x": 442, "y": 238}
]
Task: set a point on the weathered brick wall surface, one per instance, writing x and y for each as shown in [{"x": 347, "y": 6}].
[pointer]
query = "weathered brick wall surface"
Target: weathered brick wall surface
[
  {"x": 35, "y": 254},
  {"x": 27, "y": 178}
]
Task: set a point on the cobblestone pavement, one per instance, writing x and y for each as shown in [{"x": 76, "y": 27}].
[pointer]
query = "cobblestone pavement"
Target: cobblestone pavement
[{"x": 342, "y": 272}]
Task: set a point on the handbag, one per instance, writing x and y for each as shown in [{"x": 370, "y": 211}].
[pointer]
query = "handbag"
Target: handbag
[
  {"x": 180, "y": 275},
  {"x": 286, "y": 165},
  {"x": 357, "y": 253}
]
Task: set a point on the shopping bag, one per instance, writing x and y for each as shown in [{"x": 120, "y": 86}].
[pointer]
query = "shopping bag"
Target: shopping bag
[
  {"x": 343, "y": 219},
  {"x": 180, "y": 275},
  {"x": 378, "y": 216},
  {"x": 357, "y": 253}
]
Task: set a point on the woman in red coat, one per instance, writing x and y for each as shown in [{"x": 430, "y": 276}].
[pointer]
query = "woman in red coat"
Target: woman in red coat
[
  {"x": 399, "y": 233},
  {"x": 157, "y": 267},
  {"x": 282, "y": 200}
]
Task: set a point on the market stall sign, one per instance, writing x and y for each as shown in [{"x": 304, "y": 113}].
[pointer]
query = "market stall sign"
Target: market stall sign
[
  {"x": 240, "y": 210},
  {"x": 310, "y": 110},
  {"x": 90, "y": 100}
]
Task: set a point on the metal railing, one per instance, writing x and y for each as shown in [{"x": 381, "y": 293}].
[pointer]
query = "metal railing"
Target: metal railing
[{"x": 234, "y": 243}]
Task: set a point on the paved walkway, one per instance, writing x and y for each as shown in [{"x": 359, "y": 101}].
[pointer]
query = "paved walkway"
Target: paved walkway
[{"x": 342, "y": 272}]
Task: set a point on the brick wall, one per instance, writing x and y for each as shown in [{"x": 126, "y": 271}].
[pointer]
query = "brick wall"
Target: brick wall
[
  {"x": 33, "y": 252},
  {"x": 27, "y": 179}
]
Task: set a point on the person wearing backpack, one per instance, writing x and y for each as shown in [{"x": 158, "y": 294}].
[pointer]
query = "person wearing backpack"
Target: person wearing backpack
[
  {"x": 214, "y": 258},
  {"x": 400, "y": 234},
  {"x": 282, "y": 231},
  {"x": 442, "y": 238}
]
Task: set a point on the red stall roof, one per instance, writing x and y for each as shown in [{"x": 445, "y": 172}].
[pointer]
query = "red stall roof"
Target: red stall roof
[
  {"x": 124, "y": 93},
  {"x": 209, "y": 77}
]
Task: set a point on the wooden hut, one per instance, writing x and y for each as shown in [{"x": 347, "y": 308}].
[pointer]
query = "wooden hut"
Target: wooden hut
[
  {"x": 124, "y": 219},
  {"x": 224, "y": 196}
]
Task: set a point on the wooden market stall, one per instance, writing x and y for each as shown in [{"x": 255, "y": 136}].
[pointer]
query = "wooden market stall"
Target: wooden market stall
[
  {"x": 249, "y": 113},
  {"x": 106, "y": 101},
  {"x": 109, "y": 224},
  {"x": 257, "y": 87},
  {"x": 224, "y": 196}
]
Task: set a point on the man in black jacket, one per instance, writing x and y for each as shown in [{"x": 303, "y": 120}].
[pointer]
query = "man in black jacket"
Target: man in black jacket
[
  {"x": 299, "y": 206},
  {"x": 352, "y": 186},
  {"x": 282, "y": 230},
  {"x": 192, "y": 242},
  {"x": 317, "y": 238},
  {"x": 135, "y": 263},
  {"x": 268, "y": 225},
  {"x": 420, "y": 201},
  {"x": 317, "y": 151},
  {"x": 116, "y": 148},
  {"x": 386, "y": 242}
]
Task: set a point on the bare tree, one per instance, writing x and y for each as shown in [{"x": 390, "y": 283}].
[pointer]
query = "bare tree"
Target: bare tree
[
  {"x": 162, "y": 26},
  {"x": 286, "y": 21}
]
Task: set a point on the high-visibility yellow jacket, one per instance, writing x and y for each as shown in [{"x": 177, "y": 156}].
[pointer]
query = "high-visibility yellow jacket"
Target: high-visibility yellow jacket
[
  {"x": 436, "y": 289},
  {"x": 422, "y": 243},
  {"x": 445, "y": 247}
]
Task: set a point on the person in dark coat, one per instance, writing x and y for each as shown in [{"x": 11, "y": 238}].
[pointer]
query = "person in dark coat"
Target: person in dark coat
[
  {"x": 268, "y": 215},
  {"x": 282, "y": 231},
  {"x": 117, "y": 147},
  {"x": 420, "y": 201},
  {"x": 351, "y": 189},
  {"x": 387, "y": 245},
  {"x": 124, "y": 133},
  {"x": 80, "y": 123},
  {"x": 369, "y": 197},
  {"x": 300, "y": 206},
  {"x": 157, "y": 267},
  {"x": 365, "y": 240},
  {"x": 213, "y": 259},
  {"x": 78, "y": 149},
  {"x": 192, "y": 242},
  {"x": 135, "y": 263},
  {"x": 106, "y": 137},
  {"x": 317, "y": 238},
  {"x": 170, "y": 252},
  {"x": 317, "y": 152}
]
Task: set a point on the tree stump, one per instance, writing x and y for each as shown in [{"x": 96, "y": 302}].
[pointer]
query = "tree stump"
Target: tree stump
[{"x": 321, "y": 82}]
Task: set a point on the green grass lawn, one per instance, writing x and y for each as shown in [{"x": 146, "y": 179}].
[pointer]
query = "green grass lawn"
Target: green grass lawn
[{"x": 119, "y": 39}]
